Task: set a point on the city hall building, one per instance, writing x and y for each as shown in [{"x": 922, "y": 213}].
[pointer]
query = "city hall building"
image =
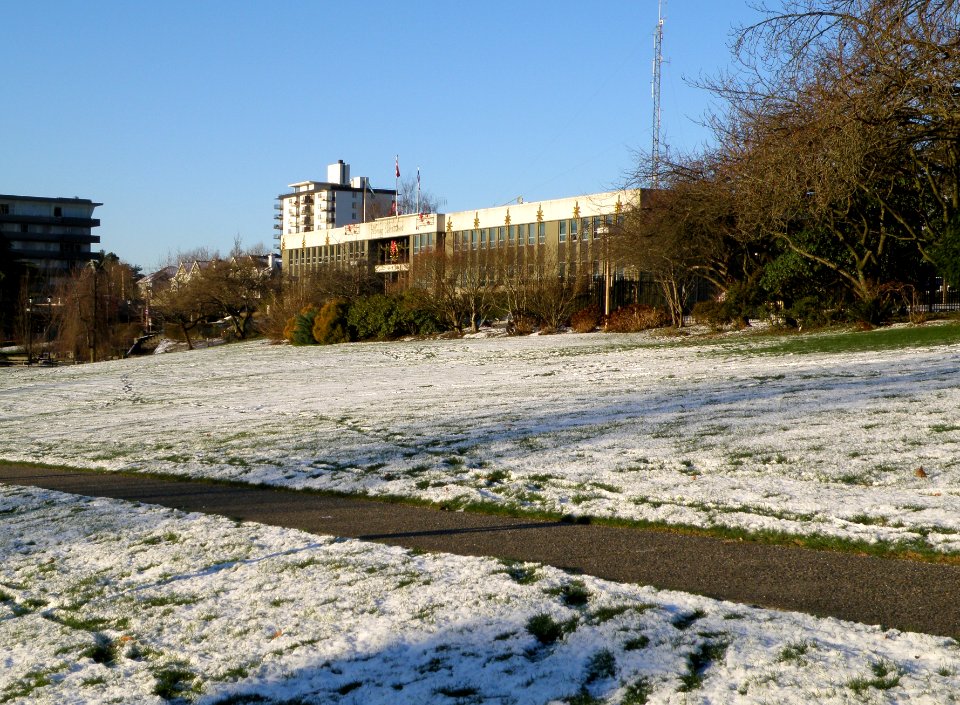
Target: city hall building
[{"x": 324, "y": 223}]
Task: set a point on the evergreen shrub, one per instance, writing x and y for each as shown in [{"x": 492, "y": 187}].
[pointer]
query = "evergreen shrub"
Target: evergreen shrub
[
  {"x": 330, "y": 324},
  {"x": 299, "y": 330}
]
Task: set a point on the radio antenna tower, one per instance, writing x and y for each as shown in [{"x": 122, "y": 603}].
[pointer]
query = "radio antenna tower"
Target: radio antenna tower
[{"x": 657, "y": 67}]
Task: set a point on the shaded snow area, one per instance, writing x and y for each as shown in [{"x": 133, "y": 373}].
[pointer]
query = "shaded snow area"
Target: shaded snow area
[
  {"x": 601, "y": 425},
  {"x": 106, "y": 601}
]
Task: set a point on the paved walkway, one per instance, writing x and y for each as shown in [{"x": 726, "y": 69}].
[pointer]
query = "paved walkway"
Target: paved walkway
[{"x": 895, "y": 593}]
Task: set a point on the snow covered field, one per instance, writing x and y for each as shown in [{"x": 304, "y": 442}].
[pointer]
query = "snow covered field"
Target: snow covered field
[
  {"x": 105, "y": 601},
  {"x": 623, "y": 426}
]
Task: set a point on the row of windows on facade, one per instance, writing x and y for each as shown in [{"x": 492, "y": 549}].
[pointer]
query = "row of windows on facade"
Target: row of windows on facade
[
  {"x": 493, "y": 276},
  {"x": 5, "y": 210},
  {"x": 63, "y": 247},
  {"x": 329, "y": 253},
  {"x": 529, "y": 233}
]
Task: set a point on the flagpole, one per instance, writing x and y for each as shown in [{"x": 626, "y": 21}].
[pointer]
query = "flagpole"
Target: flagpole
[
  {"x": 418, "y": 189},
  {"x": 397, "y": 196}
]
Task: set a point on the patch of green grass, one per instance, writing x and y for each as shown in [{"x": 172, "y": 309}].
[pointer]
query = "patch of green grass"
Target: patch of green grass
[
  {"x": 636, "y": 643},
  {"x": 95, "y": 680},
  {"x": 173, "y": 681},
  {"x": 600, "y": 666},
  {"x": 27, "y": 684},
  {"x": 88, "y": 624},
  {"x": 683, "y": 621},
  {"x": 547, "y": 630},
  {"x": 496, "y": 476},
  {"x": 944, "y": 428},
  {"x": 521, "y": 573},
  {"x": 698, "y": 661},
  {"x": 572, "y": 594},
  {"x": 637, "y": 692},
  {"x": 794, "y": 652},
  {"x": 167, "y": 600},
  {"x": 858, "y": 341},
  {"x": 460, "y": 692},
  {"x": 605, "y": 614},
  {"x": 349, "y": 687},
  {"x": 103, "y": 650},
  {"x": 885, "y": 677}
]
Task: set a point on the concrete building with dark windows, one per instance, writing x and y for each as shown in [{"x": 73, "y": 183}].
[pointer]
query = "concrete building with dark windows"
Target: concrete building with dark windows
[{"x": 49, "y": 235}]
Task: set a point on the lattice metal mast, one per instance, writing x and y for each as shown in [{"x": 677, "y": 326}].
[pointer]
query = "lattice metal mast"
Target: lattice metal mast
[{"x": 657, "y": 67}]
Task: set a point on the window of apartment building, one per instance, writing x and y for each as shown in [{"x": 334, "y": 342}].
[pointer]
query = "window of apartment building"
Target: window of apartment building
[
  {"x": 483, "y": 239},
  {"x": 512, "y": 236},
  {"x": 585, "y": 229},
  {"x": 473, "y": 239},
  {"x": 4, "y": 209},
  {"x": 541, "y": 233},
  {"x": 563, "y": 231},
  {"x": 500, "y": 236},
  {"x": 573, "y": 230},
  {"x": 57, "y": 211},
  {"x": 531, "y": 237},
  {"x": 23, "y": 227},
  {"x": 416, "y": 244}
]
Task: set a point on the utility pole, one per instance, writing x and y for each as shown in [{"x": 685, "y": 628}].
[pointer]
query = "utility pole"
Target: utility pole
[{"x": 657, "y": 68}]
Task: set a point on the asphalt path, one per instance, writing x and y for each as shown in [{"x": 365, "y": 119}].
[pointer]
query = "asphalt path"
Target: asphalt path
[{"x": 899, "y": 594}]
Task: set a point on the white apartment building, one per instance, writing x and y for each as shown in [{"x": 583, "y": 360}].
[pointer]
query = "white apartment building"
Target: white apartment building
[{"x": 319, "y": 206}]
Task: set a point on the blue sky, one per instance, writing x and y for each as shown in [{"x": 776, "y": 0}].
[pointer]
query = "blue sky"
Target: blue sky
[{"x": 187, "y": 118}]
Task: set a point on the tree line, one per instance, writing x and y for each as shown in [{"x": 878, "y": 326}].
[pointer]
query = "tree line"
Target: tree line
[{"x": 831, "y": 185}]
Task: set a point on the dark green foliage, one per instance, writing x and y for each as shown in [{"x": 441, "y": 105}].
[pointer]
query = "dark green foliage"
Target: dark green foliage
[
  {"x": 574, "y": 594},
  {"x": 299, "y": 330},
  {"x": 544, "y": 628},
  {"x": 636, "y": 643},
  {"x": 637, "y": 692},
  {"x": 715, "y": 314},
  {"x": 388, "y": 316},
  {"x": 330, "y": 323},
  {"x": 600, "y": 666},
  {"x": 242, "y": 699},
  {"x": 683, "y": 621},
  {"x": 103, "y": 650},
  {"x": 699, "y": 661},
  {"x": 172, "y": 681},
  {"x": 947, "y": 253},
  {"x": 376, "y": 317},
  {"x": 348, "y": 687}
]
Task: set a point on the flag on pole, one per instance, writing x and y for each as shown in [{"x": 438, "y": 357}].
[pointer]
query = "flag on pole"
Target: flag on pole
[{"x": 398, "y": 166}]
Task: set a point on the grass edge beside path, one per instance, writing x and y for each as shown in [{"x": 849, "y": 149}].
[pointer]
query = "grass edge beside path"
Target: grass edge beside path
[{"x": 903, "y": 550}]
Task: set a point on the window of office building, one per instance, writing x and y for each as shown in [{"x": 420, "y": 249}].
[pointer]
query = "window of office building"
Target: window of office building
[
  {"x": 513, "y": 234},
  {"x": 531, "y": 237},
  {"x": 563, "y": 231},
  {"x": 500, "y": 236},
  {"x": 473, "y": 239},
  {"x": 541, "y": 233},
  {"x": 573, "y": 230}
]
